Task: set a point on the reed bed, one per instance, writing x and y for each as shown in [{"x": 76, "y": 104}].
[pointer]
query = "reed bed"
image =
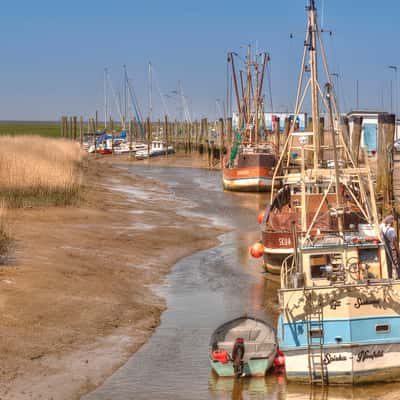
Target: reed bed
[{"x": 38, "y": 171}]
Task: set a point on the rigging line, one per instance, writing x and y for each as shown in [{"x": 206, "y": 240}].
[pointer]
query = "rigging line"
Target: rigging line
[
  {"x": 164, "y": 103},
  {"x": 135, "y": 106},
  {"x": 114, "y": 96}
]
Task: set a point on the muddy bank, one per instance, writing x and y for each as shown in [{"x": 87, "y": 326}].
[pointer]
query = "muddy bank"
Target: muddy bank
[{"x": 75, "y": 302}]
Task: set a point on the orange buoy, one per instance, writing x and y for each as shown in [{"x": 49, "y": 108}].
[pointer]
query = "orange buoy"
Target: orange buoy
[
  {"x": 257, "y": 250},
  {"x": 260, "y": 217}
]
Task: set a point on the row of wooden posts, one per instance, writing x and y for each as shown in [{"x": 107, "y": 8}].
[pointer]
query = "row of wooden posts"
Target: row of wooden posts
[{"x": 211, "y": 139}]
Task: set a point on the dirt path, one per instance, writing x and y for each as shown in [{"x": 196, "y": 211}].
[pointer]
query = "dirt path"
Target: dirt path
[{"x": 75, "y": 303}]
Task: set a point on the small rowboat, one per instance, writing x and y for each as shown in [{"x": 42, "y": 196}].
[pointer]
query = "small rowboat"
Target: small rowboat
[{"x": 245, "y": 346}]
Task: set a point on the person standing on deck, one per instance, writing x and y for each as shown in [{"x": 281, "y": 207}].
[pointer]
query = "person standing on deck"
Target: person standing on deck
[{"x": 391, "y": 246}]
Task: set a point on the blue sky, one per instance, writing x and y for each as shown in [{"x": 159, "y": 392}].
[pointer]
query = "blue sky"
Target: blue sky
[{"x": 54, "y": 52}]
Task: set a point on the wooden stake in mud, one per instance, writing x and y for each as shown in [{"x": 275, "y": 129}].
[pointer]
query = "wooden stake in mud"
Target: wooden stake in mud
[
  {"x": 75, "y": 127},
  {"x": 229, "y": 131},
  {"x": 130, "y": 127},
  {"x": 81, "y": 130},
  {"x": 148, "y": 131},
  {"x": 356, "y": 138},
  {"x": 166, "y": 135},
  {"x": 221, "y": 142},
  {"x": 277, "y": 134}
]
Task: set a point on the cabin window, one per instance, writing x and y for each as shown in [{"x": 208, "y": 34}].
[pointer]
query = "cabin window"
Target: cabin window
[
  {"x": 368, "y": 255},
  {"x": 382, "y": 328},
  {"x": 323, "y": 265},
  {"x": 370, "y": 263}
]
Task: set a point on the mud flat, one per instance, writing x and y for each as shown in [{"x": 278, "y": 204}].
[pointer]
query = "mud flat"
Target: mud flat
[{"x": 75, "y": 299}]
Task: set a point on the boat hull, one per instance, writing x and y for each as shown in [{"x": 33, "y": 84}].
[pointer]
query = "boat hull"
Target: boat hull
[
  {"x": 256, "y": 367},
  {"x": 349, "y": 364},
  {"x": 252, "y": 179}
]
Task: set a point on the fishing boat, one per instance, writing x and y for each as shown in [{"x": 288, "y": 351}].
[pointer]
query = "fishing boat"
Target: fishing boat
[
  {"x": 245, "y": 346},
  {"x": 250, "y": 163},
  {"x": 339, "y": 299}
]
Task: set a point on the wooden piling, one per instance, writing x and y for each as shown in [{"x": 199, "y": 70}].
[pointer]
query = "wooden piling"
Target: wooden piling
[
  {"x": 229, "y": 138},
  {"x": 75, "y": 127},
  {"x": 356, "y": 138},
  {"x": 148, "y": 134},
  {"x": 166, "y": 134},
  {"x": 221, "y": 142},
  {"x": 81, "y": 130},
  {"x": 277, "y": 134}
]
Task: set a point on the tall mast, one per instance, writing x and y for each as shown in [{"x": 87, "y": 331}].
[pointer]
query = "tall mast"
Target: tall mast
[
  {"x": 248, "y": 95},
  {"x": 150, "y": 90},
  {"x": 256, "y": 103},
  {"x": 312, "y": 27},
  {"x": 125, "y": 97},
  {"x": 105, "y": 98}
]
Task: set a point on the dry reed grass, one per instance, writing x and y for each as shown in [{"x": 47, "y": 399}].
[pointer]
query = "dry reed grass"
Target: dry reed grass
[{"x": 38, "y": 171}]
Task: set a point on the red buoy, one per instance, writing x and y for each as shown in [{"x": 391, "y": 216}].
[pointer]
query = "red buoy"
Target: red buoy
[
  {"x": 260, "y": 217},
  {"x": 279, "y": 360},
  {"x": 257, "y": 250}
]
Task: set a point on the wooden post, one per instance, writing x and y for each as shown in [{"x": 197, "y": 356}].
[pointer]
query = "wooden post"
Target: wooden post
[
  {"x": 286, "y": 130},
  {"x": 229, "y": 131},
  {"x": 148, "y": 134},
  {"x": 75, "y": 127},
  {"x": 356, "y": 138},
  {"x": 166, "y": 135},
  {"x": 221, "y": 142},
  {"x": 62, "y": 126},
  {"x": 96, "y": 123},
  {"x": 391, "y": 132},
  {"x": 81, "y": 130},
  {"x": 130, "y": 127},
  {"x": 277, "y": 134},
  {"x": 70, "y": 128}
]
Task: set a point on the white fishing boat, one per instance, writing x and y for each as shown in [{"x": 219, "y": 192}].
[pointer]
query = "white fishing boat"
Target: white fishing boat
[
  {"x": 157, "y": 148},
  {"x": 339, "y": 300}
]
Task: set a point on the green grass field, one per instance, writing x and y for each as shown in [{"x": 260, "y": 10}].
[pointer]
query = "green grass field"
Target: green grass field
[{"x": 47, "y": 129}]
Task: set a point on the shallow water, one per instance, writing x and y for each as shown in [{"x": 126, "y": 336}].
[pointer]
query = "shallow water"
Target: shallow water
[{"x": 203, "y": 291}]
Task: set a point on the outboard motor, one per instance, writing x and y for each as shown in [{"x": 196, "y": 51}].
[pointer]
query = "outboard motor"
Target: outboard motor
[{"x": 237, "y": 357}]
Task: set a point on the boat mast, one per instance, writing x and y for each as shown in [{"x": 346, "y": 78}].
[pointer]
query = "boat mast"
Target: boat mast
[
  {"x": 248, "y": 94},
  {"x": 105, "y": 98},
  {"x": 150, "y": 78},
  {"x": 256, "y": 104},
  {"x": 312, "y": 15}
]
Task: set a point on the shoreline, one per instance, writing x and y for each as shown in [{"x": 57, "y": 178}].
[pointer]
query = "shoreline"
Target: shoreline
[{"x": 86, "y": 272}]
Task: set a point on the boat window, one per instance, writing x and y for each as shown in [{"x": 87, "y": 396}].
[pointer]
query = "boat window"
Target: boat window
[
  {"x": 384, "y": 328},
  {"x": 368, "y": 255},
  {"x": 370, "y": 263},
  {"x": 324, "y": 265}
]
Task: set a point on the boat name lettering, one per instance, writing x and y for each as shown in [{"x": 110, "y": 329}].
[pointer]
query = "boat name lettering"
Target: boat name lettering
[
  {"x": 360, "y": 302},
  {"x": 364, "y": 355},
  {"x": 330, "y": 358},
  {"x": 284, "y": 241}
]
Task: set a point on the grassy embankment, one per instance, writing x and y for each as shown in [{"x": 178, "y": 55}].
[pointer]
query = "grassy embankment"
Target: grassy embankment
[
  {"x": 36, "y": 170},
  {"x": 46, "y": 129}
]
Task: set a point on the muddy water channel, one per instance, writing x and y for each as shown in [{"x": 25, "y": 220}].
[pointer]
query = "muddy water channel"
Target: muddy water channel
[{"x": 203, "y": 291}]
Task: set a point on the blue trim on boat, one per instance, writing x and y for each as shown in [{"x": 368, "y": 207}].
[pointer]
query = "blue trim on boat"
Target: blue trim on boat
[{"x": 357, "y": 331}]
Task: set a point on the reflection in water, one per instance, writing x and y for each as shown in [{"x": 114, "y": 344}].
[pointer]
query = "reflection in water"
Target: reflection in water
[{"x": 203, "y": 291}]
